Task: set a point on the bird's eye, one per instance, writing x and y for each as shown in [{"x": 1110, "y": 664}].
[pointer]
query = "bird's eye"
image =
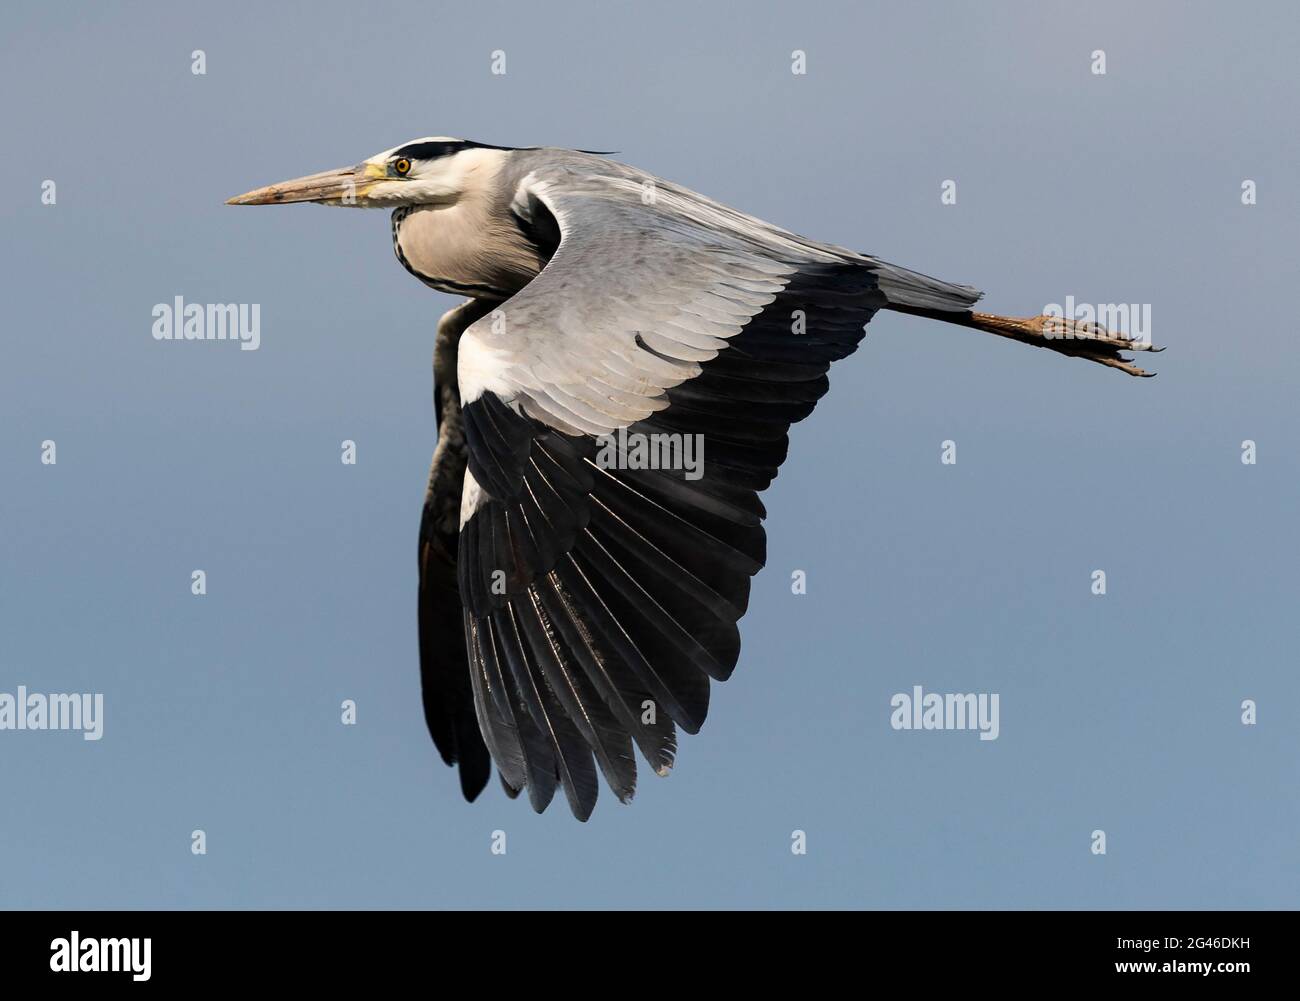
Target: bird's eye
[{"x": 401, "y": 166}]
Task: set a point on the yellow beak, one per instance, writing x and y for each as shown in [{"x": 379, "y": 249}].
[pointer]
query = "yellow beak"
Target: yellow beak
[{"x": 334, "y": 187}]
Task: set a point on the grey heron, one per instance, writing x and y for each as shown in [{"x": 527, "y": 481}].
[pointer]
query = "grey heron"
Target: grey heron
[{"x": 571, "y": 608}]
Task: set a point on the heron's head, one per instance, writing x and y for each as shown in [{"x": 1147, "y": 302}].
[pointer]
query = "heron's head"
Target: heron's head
[{"x": 432, "y": 171}]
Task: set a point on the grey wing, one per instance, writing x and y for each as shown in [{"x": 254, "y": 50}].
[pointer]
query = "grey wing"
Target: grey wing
[
  {"x": 444, "y": 668},
  {"x": 601, "y": 600}
]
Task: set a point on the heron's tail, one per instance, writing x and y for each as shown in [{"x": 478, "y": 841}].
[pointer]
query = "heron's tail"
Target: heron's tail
[{"x": 909, "y": 290}]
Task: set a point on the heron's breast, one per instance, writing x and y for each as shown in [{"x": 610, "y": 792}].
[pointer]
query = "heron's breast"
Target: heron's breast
[{"x": 459, "y": 249}]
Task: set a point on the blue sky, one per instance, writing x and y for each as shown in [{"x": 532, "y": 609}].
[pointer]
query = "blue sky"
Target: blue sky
[{"x": 1118, "y": 712}]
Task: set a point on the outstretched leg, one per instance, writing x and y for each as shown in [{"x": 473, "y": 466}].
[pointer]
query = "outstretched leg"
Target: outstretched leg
[{"x": 1068, "y": 337}]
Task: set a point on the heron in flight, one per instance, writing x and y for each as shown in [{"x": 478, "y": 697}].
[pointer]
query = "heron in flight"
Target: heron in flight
[{"x": 571, "y": 606}]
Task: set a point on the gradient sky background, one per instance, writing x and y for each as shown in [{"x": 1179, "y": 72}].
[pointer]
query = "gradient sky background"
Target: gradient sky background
[{"x": 1118, "y": 712}]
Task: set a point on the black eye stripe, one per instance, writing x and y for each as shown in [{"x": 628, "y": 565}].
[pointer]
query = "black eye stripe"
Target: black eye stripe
[
  {"x": 446, "y": 147},
  {"x": 434, "y": 150}
]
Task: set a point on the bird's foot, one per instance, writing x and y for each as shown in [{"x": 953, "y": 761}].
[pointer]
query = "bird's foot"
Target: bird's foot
[{"x": 1077, "y": 338}]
